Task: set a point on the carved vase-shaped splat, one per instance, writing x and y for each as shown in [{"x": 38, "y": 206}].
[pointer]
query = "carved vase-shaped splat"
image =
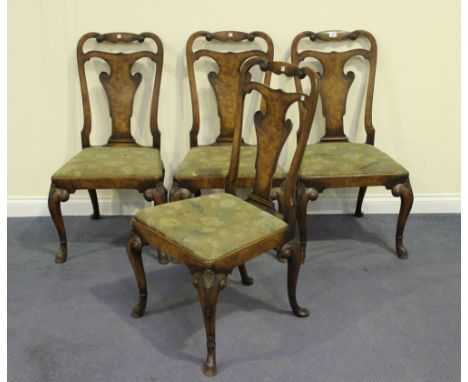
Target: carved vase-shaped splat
[
  {"x": 334, "y": 90},
  {"x": 272, "y": 129},
  {"x": 271, "y": 124},
  {"x": 334, "y": 82},
  {"x": 226, "y": 80},
  {"x": 120, "y": 86},
  {"x": 226, "y": 86}
]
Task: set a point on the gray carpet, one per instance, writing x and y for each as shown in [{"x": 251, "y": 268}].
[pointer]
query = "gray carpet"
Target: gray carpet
[{"x": 373, "y": 317}]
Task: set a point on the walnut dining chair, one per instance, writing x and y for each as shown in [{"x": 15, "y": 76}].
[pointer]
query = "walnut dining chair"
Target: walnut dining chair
[
  {"x": 206, "y": 166},
  {"x": 335, "y": 162},
  {"x": 121, "y": 163},
  {"x": 213, "y": 234}
]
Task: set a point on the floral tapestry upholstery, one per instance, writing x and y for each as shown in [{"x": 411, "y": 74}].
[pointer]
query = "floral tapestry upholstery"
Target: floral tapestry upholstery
[
  {"x": 211, "y": 226},
  {"x": 346, "y": 158},
  {"x": 213, "y": 161},
  {"x": 97, "y": 162}
]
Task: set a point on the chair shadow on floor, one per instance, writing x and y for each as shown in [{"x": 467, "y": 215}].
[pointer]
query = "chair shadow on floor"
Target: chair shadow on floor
[
  {"x": 173, "y": 327},
  {"x": 171, "y": 335},
  {"x": 345, "y": 227},
  {"x": 176, "y": 334},
  {"x": 81, "y": 232}
]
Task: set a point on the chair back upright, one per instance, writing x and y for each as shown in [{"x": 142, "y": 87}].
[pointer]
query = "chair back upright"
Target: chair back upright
[
  {"x": 226, "y": 81},
  {"x": 272, "y": 129},
  {"x": 120, "y": 84},
  {"x": 334, "y": 82}
]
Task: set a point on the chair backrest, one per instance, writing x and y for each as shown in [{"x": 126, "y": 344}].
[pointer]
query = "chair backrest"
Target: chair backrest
[
  {"x": 272, "y": 129},
  {"x": 225, "y": 82},
  {"x": 334, "y": 83},
  {"x": 120, "y": 84}
]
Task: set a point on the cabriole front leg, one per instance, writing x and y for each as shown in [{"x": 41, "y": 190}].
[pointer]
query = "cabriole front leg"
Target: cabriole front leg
[
  {"x": 292, "y": 252},
  {"x": 405, "y": 192},
  {"x": 56, "y": 196},
  {"x": 304, "y": 196},
  {"x": 134, "y": 247},
  {"x": 208, "y": 284}
]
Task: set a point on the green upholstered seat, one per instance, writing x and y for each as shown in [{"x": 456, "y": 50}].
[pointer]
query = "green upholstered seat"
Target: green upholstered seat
[
  {"x": 346, "y": 158},
  {"x": 211, "y": 226},
  {"x": 98, "y": 162},
  {"x": 213, "y": 161}
]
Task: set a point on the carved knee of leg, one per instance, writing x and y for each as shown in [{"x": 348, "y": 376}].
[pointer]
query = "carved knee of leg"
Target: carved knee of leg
[
  {"x": 157, "y": 195},
  {"x": 179, "y": 193}
]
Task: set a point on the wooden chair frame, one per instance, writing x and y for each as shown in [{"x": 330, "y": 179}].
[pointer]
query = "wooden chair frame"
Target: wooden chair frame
[
  {"x": 120, "y": 86},
  {"x": 334, "y": 88},
  {"x": 272, "y": 129}
]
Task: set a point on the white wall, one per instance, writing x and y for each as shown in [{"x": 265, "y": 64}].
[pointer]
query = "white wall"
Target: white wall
[{"x": 416, "y": 100}]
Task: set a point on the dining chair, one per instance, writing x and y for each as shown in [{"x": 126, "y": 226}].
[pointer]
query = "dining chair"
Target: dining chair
[
  {"x": 213, "y": 234},
  {"x": 206, "y": 166},
  {"x": 121, "y": 163},
  {"x": 335, "y": 162}
]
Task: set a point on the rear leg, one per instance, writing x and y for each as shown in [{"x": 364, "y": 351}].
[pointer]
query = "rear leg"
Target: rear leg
[
  {"x": 362, "y": 192},
  {"x": 94, "y": 201}
]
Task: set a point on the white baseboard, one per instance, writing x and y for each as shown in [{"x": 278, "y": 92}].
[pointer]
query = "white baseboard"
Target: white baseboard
[
  {"x": 435, "y": 204},
  {"x": 80, "y": 206}
]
